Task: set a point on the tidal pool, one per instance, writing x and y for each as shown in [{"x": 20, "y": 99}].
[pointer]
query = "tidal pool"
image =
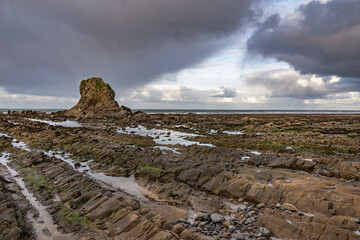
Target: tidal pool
[
  {"x": 66, "y": 123},
  {"x": 164, "y": 136}
]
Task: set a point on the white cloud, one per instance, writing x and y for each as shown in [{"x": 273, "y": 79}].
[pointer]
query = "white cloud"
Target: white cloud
[{"x": 10, "y": 100}]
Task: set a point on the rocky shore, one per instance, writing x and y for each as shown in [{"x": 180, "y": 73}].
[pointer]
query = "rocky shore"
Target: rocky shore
[{"x": 109, "y": 173}]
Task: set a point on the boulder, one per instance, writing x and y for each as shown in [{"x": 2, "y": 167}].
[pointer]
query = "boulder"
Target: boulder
[{"x": 97, "y": 101}]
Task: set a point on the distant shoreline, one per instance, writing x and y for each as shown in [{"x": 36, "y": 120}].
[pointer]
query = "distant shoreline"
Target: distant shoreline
[{"x": 208, "y": 111}]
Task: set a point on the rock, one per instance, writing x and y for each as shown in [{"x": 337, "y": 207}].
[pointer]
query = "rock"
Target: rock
[
  {"x": 178, "y": 228},
  {"x": 97, "y": 100},
  {"x": 231, "y": 229},
  {"x": 203, "y": 216},
  {"x": 249, "y": 220},
  {"x": 227, "y": 223},
  {"x": 264, "y": 232},
  {"x": 162, "y": 235},
  {"x": 289, "y": 206},
  {"x": 241, "y": 207},
  {"x": 208, "y": 238},
  {"x": 260, "y": 205},
  {"x": 186, "y": 235},
  {"x": 251, "y": 213},
  {"x": 216, "y": 218},
  {"x": 127, "y": 224},
  {"x": 106, "y": 209},
  {"x": 46, "y": 231},
  {"x": 14, "y": 233}
]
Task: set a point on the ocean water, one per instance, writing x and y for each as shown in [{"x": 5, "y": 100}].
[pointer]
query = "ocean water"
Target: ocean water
[
  {"x": 213, "y": 111},
  {"x": 48, "y": 110}
]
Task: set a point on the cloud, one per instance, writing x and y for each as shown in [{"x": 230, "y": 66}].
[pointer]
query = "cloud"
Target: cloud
[
  {"x": 181, "y": 97},
  {"x": 47, "y": 48},
  {"x": 321, "y": 37},
  {"x": 10, "y": 100},
  {"x": 291, "y": 84},
  {"x": 226, "y": 93}
]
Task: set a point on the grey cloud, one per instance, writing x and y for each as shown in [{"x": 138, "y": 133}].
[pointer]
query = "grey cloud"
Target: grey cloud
[
  {"x": 288, "y": 83},
  {"x": 46, "y": 48},
  {"x": 226, "y": 93},
  {"x": 322, "y": 39}
]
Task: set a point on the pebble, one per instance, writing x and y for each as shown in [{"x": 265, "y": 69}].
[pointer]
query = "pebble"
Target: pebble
[
  {"x": 249, "y": 214},
  {"x": 249, "y": 220},
  {"x": 289, "y": 206},
  {"x": 241, "y": 207},
  {"x": 264, "y": 232},
  {"x": 260, "y": 205},
  {"x": 216, "y": 218},
  {"x": 231, "y": 229},
  {"x": 203, "y": 216},
  {"x": 178, "y": 228},
  {"x": 208, "y": 238}
]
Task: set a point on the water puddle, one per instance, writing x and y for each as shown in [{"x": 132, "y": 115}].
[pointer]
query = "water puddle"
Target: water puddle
[
  {"x": 15, "y": 123},
  {"x": 309, "y": 214},
  {"x": 233, "y": 132},
  {"x": 127, "y": 185},
  {"x": 307, "y": 159},
  {"x": 44, "y": 225},
  {"x": 235, "y": 207},
  {"x": 66, "y": 123},
  {"x": 191, "y": 216},
  {"x": 164, "y": 137},
  {"x": 16, "y": 143},
  {"x": 174, "y": 150},
  {"x": 256, "y": 153}
]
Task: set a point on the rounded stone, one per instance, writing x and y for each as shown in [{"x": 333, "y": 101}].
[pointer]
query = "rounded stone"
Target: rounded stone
[
  {"x": 178, "y": 228},
  {"x": 216, "y": 218},
  {"x": 186, "y": 235}
]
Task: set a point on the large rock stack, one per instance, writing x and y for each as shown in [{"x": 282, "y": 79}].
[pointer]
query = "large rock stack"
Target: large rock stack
[{"x": 97, "y": 101}]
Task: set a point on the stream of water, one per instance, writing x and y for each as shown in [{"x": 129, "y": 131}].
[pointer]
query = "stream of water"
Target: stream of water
[{"x": 44, "y": 225}]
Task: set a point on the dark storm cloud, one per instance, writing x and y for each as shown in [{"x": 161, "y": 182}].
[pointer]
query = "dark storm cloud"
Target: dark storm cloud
[
  {"x": 321, "y": 38},
  {"x": 46, "y": 47},
  {"x": 226, "y": 93}
]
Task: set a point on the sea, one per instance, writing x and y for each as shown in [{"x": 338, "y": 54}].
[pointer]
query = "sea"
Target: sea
[{"x": 211, "y": 111}]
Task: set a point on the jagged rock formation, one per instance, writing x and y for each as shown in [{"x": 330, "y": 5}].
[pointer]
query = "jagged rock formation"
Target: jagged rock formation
[{"x": 97, "y": 100}]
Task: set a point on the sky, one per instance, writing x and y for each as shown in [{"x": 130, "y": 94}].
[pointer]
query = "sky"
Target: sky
[{"x": 202, "y": 54}]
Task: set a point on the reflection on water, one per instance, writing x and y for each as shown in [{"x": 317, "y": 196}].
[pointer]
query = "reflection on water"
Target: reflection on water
[
  {"x": 127, "y": 185},
  {"x": 66, "y": 123},
  {"x": 233, "y": 132},
  {"x": 164, "y": 137},
  {"x": 16, "y": 143}
]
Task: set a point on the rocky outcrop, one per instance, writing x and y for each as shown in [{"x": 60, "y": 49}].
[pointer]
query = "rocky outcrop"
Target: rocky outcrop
[{"x": 97, "y": 101}]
